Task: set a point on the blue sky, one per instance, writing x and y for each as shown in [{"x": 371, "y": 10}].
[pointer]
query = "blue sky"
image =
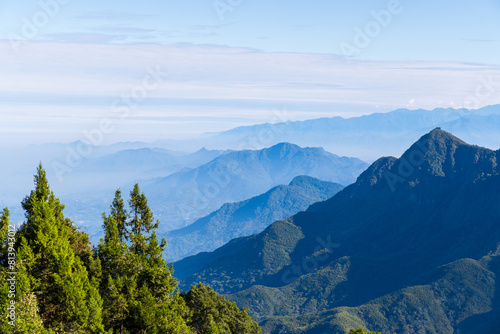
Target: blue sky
[
  {"x": 423, "y": 30},
  {"x": 225, "y": 63}
]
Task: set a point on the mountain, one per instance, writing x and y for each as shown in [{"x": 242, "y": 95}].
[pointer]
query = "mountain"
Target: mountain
[
  {"x": 411, "y": 247},
  {"x": 111, "y": 171},
  {"x": 86, "y": 183},
  {"x": 187, "y": 195},
  {"x": 247, "y": 217},
  {"x": 371, "y": 136},
  {"x": 366, "y": 137},
  {"x": 89, "y": 187}
]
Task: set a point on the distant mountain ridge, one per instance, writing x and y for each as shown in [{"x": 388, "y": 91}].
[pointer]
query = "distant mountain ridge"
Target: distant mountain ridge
[
  {"x": 244, "y": 218},
  {"x": 366, "y": 137},
  {"x": 87, "y": 183},
  {"x": 412, "y": 246},
  {"x": 236, "y": 176},
  {"x": 371, "y": 136}
]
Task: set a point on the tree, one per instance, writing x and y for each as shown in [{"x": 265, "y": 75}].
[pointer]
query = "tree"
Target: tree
[
  {"x": 118, "y": 282},
  {"x": 50, "y": 247},
  {"x": 119, "y": 213},
  {"x": 361, "y": 330},
  {"x": 4, "y": 229},
  {"x": 27, "y": 318},
  {"x": 139, "y": 289},
  {"x": 63, "y": 285},
  {"x": 212, "y": 313}
]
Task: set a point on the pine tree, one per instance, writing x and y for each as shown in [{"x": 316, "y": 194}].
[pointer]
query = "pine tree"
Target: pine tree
[
  {"x": 49, "y": 245},
  {"x": 119, "y": 214},
  {"x": 4, "y": 229},
  {"x": 361, "y": 330},
  {"x": 118, "y": 282},
  {"x": 212, "y": 313},
  {"x": 27, "y": 317},
  {"x": 123, "y": 286},
  {"x": 139, "y": 289}
]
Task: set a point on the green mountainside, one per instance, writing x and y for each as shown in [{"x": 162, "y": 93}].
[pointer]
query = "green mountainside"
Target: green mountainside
[
  {"x": 411, "y": 247},
  {"x": 185, "y": 196},
  {"x": 245, "y": 218}
]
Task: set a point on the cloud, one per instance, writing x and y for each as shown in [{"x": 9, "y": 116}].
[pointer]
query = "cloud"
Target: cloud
[
  {"x": 81, "y": 37},
  {"x": 179, "y": 34},
  {"x": 112, "y": 16},
  {"x": 211, "y": 26},
  {"x": 222, "y": 72},
  {"x": 124, "y": 30},
  {"x": 480, "y": 40},
  {"x": 67, "y": 82}
]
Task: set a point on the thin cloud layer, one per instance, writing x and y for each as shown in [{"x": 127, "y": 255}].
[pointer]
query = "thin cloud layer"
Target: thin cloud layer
[{"x": 231, "y": 86}]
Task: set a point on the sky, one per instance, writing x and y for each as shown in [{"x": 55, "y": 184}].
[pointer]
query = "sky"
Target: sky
[{"x": 129, "y": 70}]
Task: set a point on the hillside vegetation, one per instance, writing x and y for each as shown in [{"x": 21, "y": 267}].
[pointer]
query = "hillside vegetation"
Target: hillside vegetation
[
  {"x": 54, "y": 281},
  {"x": 247, "y": 217},
  {"x": 411, "y": 247}
]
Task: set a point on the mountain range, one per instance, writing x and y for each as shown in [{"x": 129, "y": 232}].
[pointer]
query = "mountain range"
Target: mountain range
[
  {"x": 411, "y": 247},
  {"x": 247, "y": 217},
  {"x": 183, "y": 197},
  {"x": 89, "y": 183},
  {"x": 183, "y": 187},
  {"x": 367, "y": 137},
  {"x": 110, "y": 171}
]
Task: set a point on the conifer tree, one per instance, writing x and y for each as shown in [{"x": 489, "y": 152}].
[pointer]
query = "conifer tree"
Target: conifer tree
[
  {"x": 212, "y": 313},
  {"x": 119, "y": 214},
  {"x": 122, "y": 286},
  {"x": 4, "y": 229},
  {"x": 48, "y": 245},
  {"x": 361, "y": 330},
  {"x": 118, "y": 281},
  {"x": 138, "y": 287},
  {"x": 27, "y": 317}
]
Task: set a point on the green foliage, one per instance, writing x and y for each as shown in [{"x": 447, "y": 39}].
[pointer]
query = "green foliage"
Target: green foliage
[
  {"x": 212, "y": 313},
  {"x": 27, "y": 317},
  {"x": 48, "y": 249},
  {"x": 137, "y": 282},
  {"x": 360, "y": 331},
  {"x": 63, "y": 285},
  {"x": 248, "y": 217},
  {"x": 396, "y": 238}
]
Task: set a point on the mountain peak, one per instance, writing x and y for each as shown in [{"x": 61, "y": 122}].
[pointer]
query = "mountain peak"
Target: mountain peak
[
  {"x": 439, "y": 153},
  {"x": 282, "y": 149},
  {"x": 437, "y": 145},
  {"x": 436, "y": 154},
  {"x": 303, "y": 179},
  {"x": 284, "y": 146},
  {"x": 439, "y": 135}
]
